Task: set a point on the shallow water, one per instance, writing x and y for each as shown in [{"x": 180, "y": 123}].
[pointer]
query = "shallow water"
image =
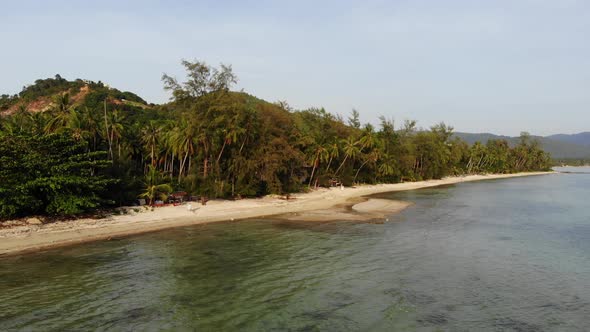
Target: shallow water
[{"x": 501, "y": 255}]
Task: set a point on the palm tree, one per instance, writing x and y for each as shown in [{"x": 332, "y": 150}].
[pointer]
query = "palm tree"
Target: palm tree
[
  {"x": 116, "y": 130},
  {"x": 333, "y": 152},
  {"x": 61, "y": 102},
  {"x": 351, "y": 150},
  {"x": 57, "y": 121},
  {"x": 386, "y": 168},
  {"x": 185, "y": 144},
  {"x": 368, "y": 138},
  {"x": 205, "y": 142},
  {"x": 153, "y": 190},
  {"x": 92, "y": 125},
  {"x": 150, "y": 136},
  {"x": 75, "y": 123},
  {"x": 230, "y": 135},
  {"x": 37, "y": 121},
  {"x": 320, "y": 154},
  {"x": 60, "y": 113},
  {"x": 372, "y": 157},
  {"x": 169, "y": 138}
]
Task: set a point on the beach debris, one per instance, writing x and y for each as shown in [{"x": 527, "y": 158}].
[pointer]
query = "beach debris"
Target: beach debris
[{"x": 34, "y": 221}]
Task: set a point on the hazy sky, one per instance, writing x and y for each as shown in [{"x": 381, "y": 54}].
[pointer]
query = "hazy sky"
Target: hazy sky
[{"x": 481, "y": 66}]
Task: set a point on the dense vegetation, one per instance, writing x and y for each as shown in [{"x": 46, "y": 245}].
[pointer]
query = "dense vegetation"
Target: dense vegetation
[
  {"x": 50, "y": 174},
  {"x": 212, "y": 142}
]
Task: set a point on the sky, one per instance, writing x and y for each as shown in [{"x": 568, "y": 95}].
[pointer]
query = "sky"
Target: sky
[{"x": 501, "y": 66}]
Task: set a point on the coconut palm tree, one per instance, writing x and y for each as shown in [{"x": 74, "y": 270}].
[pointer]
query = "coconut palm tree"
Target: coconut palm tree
[
  {"x": 371, "y": 157},
  {"x": 333, "y": 152},
  {"x": 150, "y": 136},
  {"x": 116, "y": 129},
  {"x": 368, "y": 138},
  {"x": 153, "y": 189},
  {"x": 184, "y": 140},
  {"x": 351, "y": 150},
  {"x": 320, "y": 153}
]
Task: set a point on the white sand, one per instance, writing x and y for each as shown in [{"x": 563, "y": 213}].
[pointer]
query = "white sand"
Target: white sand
[{"x": 315, "y": 205}]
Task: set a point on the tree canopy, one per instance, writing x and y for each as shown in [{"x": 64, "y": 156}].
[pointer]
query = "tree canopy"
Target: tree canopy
[{"x": 110, "y": 147}]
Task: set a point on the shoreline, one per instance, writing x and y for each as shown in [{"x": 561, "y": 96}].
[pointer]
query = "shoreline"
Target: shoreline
[{"x": 302, "y": 206}]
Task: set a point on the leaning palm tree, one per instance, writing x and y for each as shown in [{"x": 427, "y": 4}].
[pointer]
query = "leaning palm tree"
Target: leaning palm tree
[
  {"x": 333, "y": 152},
  {"x": 351, "y": 150},
  {"x": 371, "y": 157},
  {"x": 320, "y": 153}
]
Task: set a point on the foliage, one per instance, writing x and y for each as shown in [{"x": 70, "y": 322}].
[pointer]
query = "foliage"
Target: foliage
[
  {"x": 213, "y": 142},
  {"x": 154, "y": 189},
  {"x": 49, "y": 174}
]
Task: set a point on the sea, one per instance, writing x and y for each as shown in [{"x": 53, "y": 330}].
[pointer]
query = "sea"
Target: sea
[{"x": 497, "y": 255}]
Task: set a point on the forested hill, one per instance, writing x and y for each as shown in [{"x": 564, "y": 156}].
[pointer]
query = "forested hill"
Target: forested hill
[
  {"x": 559, "y": 146},
  {"x": 68, "y": 147},
  {"x": 579, "y": 139},
  {"x": 50, "y": 93}
]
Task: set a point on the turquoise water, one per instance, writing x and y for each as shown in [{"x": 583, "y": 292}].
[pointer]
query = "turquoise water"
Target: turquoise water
[{"x": 501, "y": 255}]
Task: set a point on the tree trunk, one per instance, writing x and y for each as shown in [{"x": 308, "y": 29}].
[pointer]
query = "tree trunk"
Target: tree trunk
[
  {"x": 172, "y": 166},
  {"x": 329, "y": 163},
  {"x": 153, "y": 155},
  {"x": 221, "y": 152},
  {"x": 106, "y": 127},
  {"x": 182, "y": 164},
  {"x": 357, "y": 172},
  {"x": 345, "y": 158},
  {"x": 315, "y": 164}
]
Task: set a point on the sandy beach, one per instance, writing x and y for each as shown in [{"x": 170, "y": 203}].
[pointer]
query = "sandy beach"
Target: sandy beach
[{"x": 318, "y": 205}]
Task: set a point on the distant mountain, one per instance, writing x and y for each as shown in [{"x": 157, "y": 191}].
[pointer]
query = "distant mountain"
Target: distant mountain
[
  {"x": 559, "y": 148},
  {"x": 580, "y": 139}
]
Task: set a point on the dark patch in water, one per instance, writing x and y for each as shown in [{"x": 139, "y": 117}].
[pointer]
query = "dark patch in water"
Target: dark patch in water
[
  {"x": 177, "y": 298},
  {"x": 392, "y": 292},
  {"x": 127, "y": 316},
  {"x": 416, "y": 298},
  {"x": 574, "y": 305},
  {"x": 510, "y": 324},
  {"x": 135, "y": 313},
  {"x": 340, "y": 296},
  {"x": 433, "y": 319},
  {"x": 309, "y": 328}
]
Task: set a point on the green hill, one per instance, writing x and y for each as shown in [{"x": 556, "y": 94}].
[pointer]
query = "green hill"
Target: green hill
[{"x": 49, "y": 93}]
